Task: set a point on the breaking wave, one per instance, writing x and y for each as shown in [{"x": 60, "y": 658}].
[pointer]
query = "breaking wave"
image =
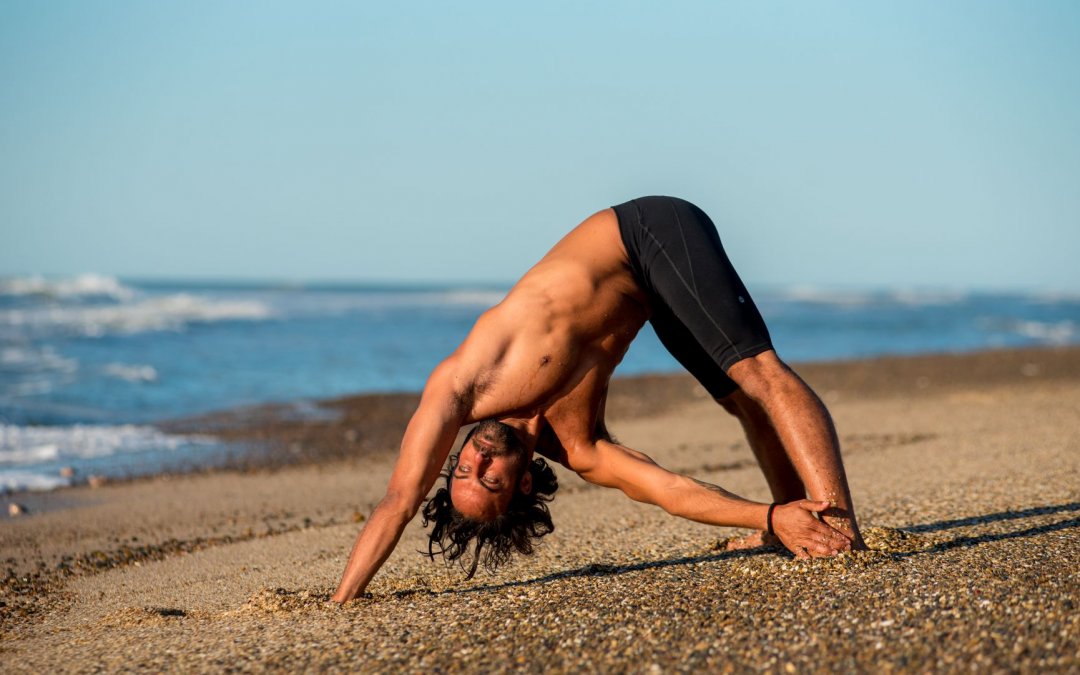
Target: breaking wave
[
  {"x": 34, "y": 444},
  {"x": 83, "y": 286},
  {"x": 861, "y": 298},
  {"x": 169, "y": 312},
  {"x": 45, "y": 458},
  {"x": 1047, "y": 332}
]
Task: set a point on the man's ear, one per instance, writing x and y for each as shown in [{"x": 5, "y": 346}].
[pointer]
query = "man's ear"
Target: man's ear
[{"x": 525, "y": 484}]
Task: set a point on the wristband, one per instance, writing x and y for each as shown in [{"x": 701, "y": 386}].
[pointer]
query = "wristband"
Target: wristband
[{"x": 768, "y": 519}]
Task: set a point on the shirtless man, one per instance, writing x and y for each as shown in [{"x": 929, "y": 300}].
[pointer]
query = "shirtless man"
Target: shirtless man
[{"x": 535, "y": 369}]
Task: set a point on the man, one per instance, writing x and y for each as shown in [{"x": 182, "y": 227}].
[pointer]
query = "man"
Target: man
[{"x": 535, "y": 371}]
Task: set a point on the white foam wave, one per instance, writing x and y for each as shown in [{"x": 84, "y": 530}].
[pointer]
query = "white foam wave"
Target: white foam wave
[
  {"x": 1055, "y": 297},
  {"x": 36, "y": 386},
  {"x": 811, "y": 294},
  {"x": 83, "y": 286},
  {"x": 21, "y": 446},
  {"x": 31, "y": 360},
  {"x": 170, "y": 312},
  {"x": 338, "y": 303},
  {"x": 924, "y": 298},
  {"x": 1054, "y": 333},
  {"x": 858, "y": 298},
  {"x": 130, "y": 372},
  {"x": 18, "y": 481},
  {"x": 30, "y": 455}
]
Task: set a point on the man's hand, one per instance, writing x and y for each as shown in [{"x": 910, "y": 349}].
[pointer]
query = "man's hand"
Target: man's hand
[{"x": 803, "y": 534}]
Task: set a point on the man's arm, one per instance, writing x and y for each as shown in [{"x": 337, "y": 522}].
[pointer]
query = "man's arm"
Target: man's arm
[
  {"x": 643, "y": 480},
  {"x": 424, "y": 448}
]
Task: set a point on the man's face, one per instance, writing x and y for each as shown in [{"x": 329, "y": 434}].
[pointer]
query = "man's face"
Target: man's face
[{"x": 489, "y": 470}]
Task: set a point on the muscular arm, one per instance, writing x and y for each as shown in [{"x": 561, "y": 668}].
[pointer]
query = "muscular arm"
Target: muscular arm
[
  {"x": 643, "y": 480},
  {"x": 424, "y": 448}
]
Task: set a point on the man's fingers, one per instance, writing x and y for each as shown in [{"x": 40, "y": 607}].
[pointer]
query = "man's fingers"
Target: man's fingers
[
  {"x": 825, "y": 541},
  {"x": 815, "y": 507},
  {"x": 812, "y": 538},
  {"x": 835, "y": 541}
]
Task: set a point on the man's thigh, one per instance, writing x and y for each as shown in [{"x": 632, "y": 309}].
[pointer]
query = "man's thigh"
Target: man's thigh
[{"x": 693, "y": 288}]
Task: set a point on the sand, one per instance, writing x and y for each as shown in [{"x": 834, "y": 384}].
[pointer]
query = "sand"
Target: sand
[{"x": 964, "y": 471}]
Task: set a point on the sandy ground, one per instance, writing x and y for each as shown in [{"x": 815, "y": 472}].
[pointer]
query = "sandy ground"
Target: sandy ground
[{"x": 964, "y": 470}]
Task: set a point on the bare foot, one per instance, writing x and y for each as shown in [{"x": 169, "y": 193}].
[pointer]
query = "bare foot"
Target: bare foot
[
  {"x": 838, "y": 520},
  {"x": 753, "y": 540}
]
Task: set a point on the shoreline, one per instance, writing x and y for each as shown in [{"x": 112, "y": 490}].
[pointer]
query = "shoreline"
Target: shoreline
[
  {"x": 351, "y": 428},
  {"x": 378, "y": 419}
]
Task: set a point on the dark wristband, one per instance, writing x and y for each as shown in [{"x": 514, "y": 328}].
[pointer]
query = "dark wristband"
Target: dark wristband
[{"x": 768, "y": 518}]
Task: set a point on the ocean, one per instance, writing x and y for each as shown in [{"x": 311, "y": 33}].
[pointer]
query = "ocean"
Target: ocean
[{"x": 88, "y": 364}]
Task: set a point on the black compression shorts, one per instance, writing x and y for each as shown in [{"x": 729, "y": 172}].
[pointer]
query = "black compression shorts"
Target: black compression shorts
[{"x": 700, "y": 308}]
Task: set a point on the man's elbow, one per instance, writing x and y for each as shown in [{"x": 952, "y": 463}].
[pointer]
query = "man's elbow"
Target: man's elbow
[{"x": 398, "y": 506}]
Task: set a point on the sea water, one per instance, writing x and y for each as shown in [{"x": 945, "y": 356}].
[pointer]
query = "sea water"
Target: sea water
[{"x": 89, "y": 364}]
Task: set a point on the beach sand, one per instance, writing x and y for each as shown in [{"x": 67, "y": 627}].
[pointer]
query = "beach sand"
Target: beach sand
[{"x": 964, "y": 471}]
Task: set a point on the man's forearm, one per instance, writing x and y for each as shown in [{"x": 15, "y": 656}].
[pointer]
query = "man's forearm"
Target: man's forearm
[
  {"x": 373, "y": 546},
  {"x": 713, "y": 505},
  {"x": 643, "y": 480}
]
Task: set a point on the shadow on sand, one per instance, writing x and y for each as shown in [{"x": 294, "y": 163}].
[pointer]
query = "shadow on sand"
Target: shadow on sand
[{"x": 599, "y": 570}]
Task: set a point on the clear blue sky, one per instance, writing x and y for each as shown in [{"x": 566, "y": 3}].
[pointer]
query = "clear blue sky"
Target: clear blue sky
[{"x": 851, "y": 144}]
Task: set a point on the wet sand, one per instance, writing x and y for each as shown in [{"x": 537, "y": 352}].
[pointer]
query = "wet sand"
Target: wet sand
[{"x": 964, "y": 470}]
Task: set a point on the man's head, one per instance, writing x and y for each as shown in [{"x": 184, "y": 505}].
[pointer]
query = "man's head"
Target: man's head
[{"x": 495, "y": 493}]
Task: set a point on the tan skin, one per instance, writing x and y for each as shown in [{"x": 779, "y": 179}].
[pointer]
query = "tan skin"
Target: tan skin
[{"x": 541, "y": 360}]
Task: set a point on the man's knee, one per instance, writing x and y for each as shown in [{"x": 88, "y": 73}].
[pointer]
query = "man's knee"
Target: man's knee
[
  {"x": 761, "y": 376},
  {"x": 740, "y": 406},
  {"x": 731, "y": 404}
]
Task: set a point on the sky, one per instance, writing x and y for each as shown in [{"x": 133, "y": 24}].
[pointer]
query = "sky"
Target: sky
[{"x": 839, "y": 144}]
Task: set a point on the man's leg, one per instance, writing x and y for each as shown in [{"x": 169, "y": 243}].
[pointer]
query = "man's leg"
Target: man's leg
[
  {"x": 780, "y": 473},
  {"x": 706, "y": 318},
  {"x": 805, "y": 430},
  {"x": 783, "y": 479}
]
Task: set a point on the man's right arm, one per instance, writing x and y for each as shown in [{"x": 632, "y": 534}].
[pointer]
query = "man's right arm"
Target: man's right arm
[
  {"x": 427, "y": 442},
  {"x": 640, "y": 478}
]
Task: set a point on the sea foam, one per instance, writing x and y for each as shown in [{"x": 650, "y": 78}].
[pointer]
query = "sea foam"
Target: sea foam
[
  {"x": 83, "y": 286},
  {"x": 170, "y": 312},
  {"x": 1052, "y": 333},
  {"x": 19, "y": 481},
  {"x": 22, "y": 445}
]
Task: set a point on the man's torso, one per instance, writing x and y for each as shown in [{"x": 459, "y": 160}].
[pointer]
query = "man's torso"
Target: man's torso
[{"x": 547, "y": 351}]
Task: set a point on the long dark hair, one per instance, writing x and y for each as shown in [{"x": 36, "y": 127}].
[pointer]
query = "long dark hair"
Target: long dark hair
[{"x": 526, "y": 520}]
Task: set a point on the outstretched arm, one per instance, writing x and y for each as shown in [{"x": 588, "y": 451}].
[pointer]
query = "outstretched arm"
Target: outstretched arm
[
  {"x": 424, "y": 449},
  {"x": 643, "y": 480}
]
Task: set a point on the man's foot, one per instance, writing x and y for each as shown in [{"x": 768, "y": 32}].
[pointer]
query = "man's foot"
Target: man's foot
[
  {"x": 754, "y": 540},
  {"x": 842, "y": 524}
]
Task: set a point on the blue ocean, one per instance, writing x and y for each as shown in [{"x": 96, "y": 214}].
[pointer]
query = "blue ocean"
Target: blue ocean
[{"x": 89, "y": 364}]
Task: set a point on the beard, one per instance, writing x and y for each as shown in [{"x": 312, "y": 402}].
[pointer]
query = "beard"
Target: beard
[{"x": 499, "y": 440}]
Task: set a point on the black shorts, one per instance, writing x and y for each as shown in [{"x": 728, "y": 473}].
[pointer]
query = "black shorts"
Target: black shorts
[{"x": 699, "y": 307}]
